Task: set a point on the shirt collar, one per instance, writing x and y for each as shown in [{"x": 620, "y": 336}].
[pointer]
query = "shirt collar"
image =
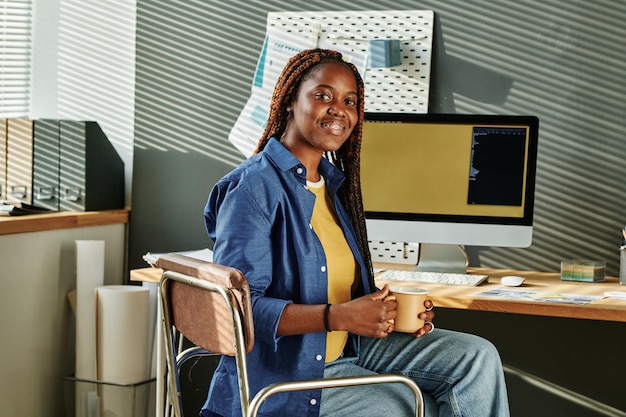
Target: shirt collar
[
  {"x": 286, "y": 161},
  {"x": 281, "y": 156}
]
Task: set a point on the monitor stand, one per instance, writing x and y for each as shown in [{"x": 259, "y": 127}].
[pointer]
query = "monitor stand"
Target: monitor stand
[{"x": 442, "y": 258}]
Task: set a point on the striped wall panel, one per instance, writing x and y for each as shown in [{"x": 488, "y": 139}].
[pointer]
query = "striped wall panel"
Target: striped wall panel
[{"x": 563, "y": 61}]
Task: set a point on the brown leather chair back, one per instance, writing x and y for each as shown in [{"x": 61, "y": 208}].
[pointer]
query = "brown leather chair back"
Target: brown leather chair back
[{"x": 203, "y": 316}]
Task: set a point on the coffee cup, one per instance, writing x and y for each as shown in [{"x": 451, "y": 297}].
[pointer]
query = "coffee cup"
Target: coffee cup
[{"x": 410, "y": 303}]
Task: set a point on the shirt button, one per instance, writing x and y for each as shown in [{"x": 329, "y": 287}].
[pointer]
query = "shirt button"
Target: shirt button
[
  {"x": 299, "y": 170},
  {"x": 310, "y": 226},
  {"x": 323, "y": 268},
  {"x": 318, "y": 357},
  {"x": 313, "y": 401}
]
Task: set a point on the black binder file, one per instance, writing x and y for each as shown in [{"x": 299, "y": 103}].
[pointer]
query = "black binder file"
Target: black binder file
[
  {"x": 91, "y": 175},
  {"x": 46, "y": 164}
]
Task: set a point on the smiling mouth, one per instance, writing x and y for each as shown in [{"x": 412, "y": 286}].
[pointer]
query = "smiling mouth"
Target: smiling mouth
[{"x": 338, "y": 127}]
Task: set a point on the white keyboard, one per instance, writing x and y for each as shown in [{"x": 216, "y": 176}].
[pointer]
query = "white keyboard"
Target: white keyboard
[{"x": 445, "y": 278}]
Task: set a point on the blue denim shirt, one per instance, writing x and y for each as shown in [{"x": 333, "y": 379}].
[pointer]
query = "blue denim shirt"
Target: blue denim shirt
[{"x": 259, "y": 218}]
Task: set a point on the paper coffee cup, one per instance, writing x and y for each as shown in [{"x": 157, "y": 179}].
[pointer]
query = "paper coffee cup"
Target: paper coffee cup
[{"x": 410, "y": 302}]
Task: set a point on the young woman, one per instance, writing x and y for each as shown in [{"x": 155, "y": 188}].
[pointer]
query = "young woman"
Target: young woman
[{"x": 291, "y": 219}]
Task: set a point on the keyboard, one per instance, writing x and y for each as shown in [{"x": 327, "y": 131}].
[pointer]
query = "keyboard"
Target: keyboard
[{"x": 445, "y": 278}]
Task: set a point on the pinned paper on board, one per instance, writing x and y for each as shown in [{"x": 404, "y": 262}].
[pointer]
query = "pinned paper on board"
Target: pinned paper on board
[{"x": 277, "y": 49}]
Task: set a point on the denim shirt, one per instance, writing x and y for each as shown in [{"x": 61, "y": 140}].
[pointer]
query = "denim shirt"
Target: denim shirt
[{"x": 259, "y": 219}]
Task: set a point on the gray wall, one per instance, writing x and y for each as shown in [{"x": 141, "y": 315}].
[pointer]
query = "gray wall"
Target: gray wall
[{"x": 560, "y": 60}]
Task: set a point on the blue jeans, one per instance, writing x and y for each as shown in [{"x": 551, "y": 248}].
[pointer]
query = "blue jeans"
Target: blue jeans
[{"x": 459, "y": 374}]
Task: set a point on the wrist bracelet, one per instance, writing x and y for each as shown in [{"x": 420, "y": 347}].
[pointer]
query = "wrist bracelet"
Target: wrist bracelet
[{"x": 326, "y": 322}]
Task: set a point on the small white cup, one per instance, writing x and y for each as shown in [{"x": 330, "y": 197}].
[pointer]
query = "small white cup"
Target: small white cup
[{"x": 410, "y": 304}]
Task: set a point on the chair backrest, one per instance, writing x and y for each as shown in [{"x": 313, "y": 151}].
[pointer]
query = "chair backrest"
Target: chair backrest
[{"x": 203, "y": 316}]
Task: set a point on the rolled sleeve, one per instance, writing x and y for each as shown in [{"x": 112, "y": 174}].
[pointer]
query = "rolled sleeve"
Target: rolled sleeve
[{"x": 244, "y": 241}]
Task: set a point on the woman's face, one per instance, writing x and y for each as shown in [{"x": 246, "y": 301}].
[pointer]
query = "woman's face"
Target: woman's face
[{"x": 324, "y": 111}]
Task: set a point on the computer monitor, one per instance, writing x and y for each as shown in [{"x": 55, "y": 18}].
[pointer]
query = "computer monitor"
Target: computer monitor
[{"x": 449, "y": 180}]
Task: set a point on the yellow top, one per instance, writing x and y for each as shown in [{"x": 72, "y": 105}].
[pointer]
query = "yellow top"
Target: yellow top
[{"x": 340, "y": 262}]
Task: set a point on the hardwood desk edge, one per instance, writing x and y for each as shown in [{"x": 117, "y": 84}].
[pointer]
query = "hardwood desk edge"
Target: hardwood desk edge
[{"x": 147, "y": 274}]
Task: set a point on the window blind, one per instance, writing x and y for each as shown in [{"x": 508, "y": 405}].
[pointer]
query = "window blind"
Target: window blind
[{"x": 15, "y": 57}]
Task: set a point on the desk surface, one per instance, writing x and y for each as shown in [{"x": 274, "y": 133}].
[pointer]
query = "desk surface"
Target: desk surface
[{"x": 462, "y": 297}]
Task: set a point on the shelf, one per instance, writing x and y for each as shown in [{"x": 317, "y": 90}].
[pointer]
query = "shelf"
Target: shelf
[{"x": 61, "y": 220}]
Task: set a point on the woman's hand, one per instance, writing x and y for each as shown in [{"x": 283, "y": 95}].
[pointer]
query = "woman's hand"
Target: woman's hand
[
  {"x": 428, "y": 317},
  {"x": 370, "y": 315}
]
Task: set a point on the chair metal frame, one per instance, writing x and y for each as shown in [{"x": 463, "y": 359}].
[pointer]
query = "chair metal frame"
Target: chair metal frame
[{"x": 249, "y": 406}]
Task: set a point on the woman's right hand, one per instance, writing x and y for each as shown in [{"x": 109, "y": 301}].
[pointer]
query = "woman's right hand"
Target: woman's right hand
[{"x": 371, "y": 315}]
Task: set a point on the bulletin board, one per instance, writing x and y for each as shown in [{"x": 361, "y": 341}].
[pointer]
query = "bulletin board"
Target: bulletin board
[{"x": 403, "y": 88}]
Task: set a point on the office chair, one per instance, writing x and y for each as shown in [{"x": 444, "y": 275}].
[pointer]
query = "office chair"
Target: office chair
[{"x": 209, "y": 304}]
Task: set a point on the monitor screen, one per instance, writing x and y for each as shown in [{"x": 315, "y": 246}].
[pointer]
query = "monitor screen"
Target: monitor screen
[{"x": 449, "y": 178}]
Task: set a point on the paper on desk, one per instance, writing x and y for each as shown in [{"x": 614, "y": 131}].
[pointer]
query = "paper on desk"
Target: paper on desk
[
  {"x": 620, "y": 295},
  {"x": 202, "y": 254},
  {"x": 524, "y": 295},
  {"x": 6, "y": 208}
]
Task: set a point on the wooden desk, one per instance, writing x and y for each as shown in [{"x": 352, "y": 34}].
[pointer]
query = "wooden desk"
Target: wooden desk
[
  {"x": 146, "y": 274},
  {"x": 462, "y": 297}
]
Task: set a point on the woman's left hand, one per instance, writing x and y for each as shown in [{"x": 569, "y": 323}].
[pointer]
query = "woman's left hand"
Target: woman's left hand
[{"x": 428, "y": 317}]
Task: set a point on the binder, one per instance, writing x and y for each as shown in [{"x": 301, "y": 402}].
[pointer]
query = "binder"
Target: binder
[
  {"x": 19, "y": 160},
  {"x": 91, "y": 173},
  {"x": 3, "y": 159},
  {"x": 46, "y": 142}
]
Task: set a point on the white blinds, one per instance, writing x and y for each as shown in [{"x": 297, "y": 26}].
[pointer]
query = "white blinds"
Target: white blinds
[{"x": 15, "y": 57}]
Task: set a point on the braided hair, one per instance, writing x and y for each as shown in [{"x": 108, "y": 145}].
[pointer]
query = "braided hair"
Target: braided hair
[{"x": 348, "y": 157}]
